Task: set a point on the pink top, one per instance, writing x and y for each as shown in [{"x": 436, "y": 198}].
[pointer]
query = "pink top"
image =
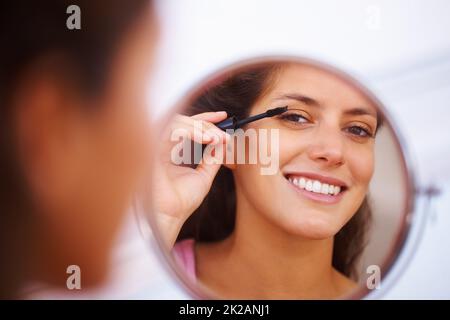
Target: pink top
[{"x": 184, "y": 253}]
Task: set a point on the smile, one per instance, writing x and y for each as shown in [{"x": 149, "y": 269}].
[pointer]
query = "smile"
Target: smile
[{"x": 317, "y": 187}]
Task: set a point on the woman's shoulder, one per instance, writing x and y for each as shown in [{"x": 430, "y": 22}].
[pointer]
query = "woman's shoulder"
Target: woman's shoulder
[
  {"x": 183, "y": 246},
  {"x": 189, "y": 254},
  {"x": 184, "y": 252}
]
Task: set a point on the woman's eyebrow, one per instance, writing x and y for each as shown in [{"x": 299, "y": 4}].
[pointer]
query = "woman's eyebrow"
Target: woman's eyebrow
[
  {"x": 299, "y": 97},
  {"x": 359, "y": 111}
]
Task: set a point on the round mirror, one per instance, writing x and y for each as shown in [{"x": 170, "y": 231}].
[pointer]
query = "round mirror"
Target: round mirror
[{"x": 280, "y": 178}]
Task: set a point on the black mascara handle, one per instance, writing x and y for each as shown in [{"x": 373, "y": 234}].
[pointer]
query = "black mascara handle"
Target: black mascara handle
[{"x": 228, "y": 123}]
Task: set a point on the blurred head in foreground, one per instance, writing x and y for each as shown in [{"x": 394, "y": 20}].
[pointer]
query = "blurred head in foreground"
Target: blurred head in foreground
[{"x": 74, "y": 133}]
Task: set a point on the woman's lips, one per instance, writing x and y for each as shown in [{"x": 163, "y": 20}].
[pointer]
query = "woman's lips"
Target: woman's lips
[{"x": 318, "y": 188}]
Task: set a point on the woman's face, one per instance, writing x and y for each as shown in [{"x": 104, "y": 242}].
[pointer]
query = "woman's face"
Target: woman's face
[{"x": 326, "y": 153}]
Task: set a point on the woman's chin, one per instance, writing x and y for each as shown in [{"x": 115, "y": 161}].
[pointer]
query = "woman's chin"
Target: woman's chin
[{"x": 314, "y": 228}]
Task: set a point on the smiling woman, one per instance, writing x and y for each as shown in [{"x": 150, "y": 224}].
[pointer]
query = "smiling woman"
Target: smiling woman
[{"x": 299, "y": 232}]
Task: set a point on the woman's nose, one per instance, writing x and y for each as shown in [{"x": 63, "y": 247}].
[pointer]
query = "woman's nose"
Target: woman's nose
[{"x": 326, "y": 147}]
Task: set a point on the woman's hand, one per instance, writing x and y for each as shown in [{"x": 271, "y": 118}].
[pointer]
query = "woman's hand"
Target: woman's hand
[{"x": 179, "y": 190}]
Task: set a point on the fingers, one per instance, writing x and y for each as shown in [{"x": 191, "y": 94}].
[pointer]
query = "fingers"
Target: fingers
[
  {"x": 199, "y": 127},
  {"x": 184, "y": 128},
  {"x": 213, "y": 117},
  {"x": 208, "y": 171},
  {"x": 211, "y": 162}
]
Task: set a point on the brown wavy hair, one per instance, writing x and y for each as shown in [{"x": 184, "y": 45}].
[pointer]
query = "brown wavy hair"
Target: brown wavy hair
[{"x": 214, "y": 219}]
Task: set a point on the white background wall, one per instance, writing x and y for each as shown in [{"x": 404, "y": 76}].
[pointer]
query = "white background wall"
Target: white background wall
[{"x": 399, "y": 48}]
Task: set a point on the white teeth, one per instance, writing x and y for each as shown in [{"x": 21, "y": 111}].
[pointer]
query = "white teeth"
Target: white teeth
[
  {"x": 331, "y": 189},
  {"x": 302, "y": 183},
  {"x": 337, "y": 189},
  {"x": 315, "y": 186},
  {"x": 324, "y": 189}
]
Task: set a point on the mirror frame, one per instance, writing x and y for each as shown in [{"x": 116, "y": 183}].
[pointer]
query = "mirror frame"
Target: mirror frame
[{"x": 407, "y": 237}]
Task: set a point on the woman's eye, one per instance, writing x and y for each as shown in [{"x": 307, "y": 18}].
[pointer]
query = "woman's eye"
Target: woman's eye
[
  {"x": 296, "y": 118},
  {"x": 359, "y": 131}
]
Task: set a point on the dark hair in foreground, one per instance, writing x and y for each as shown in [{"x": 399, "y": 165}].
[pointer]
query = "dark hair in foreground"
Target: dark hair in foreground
[
  {"x": 29, "y": 32},
  {"x": 215, "y": 218}
]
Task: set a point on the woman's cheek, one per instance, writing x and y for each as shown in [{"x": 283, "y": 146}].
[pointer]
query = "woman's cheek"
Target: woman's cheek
[
  {"x": 289, "y": 146},
  {"x": 363, "y": 166}
]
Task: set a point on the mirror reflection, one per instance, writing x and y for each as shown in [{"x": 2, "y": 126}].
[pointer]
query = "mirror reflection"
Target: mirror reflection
[{"x": 280, "y": 179}]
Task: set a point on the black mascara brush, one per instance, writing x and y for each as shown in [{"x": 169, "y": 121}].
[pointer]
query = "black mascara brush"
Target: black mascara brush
[{"x": 234, "y": 123}]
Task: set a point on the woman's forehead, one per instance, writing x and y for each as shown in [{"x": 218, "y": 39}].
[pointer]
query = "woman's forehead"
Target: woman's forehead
[{"x": 305, "y": 83}]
